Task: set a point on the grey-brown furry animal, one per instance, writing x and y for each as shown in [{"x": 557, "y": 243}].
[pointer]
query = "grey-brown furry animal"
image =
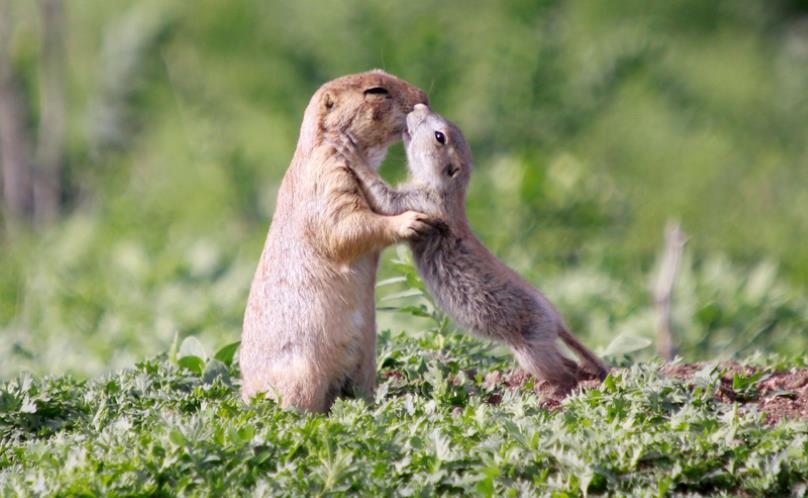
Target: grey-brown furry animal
[{"x": 477, "y": 290}]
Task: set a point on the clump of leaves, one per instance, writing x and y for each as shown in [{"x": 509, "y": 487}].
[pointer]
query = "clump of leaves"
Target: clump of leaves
[
  {"x": 745, "y": 385},
  {"x": 167, "y": 427}
]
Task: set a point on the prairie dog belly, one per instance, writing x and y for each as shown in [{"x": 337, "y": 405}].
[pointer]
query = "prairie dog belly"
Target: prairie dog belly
[
  {"x": 317, "y": 336},
  {"x": 340, "y": 318}
]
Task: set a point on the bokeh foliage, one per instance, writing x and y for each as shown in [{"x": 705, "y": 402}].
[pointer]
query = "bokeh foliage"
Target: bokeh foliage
[{"x": 592, "y": 124}]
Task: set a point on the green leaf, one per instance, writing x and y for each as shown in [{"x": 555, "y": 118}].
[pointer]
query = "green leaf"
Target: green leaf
[
  {"x": 485, "y": 486},
  {"x": 215, "y": 369},
  {"x": 414, "y": 281},
  {"x": 390, "y": 281},
  {"x": 192, "y": 347},
  {"x": 173, "y": 349},
  {"x": 176, "y": 437},
  {"x": 245, "y": 434},
  {"x": 28, "y": 406},
  {"x": 625, "y": 344},
  {"x": 741, "y": 381},
  {"x": 403, "y": 294},
  {"x": 608, "y": 382},
  {"x": 225, "y": 354},
  {"x": 416, "y": 311},
  {"x": 192, "y": 363}
]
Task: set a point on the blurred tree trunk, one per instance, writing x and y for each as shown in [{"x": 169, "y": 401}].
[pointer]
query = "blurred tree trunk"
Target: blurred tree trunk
[
  {"x": 51, "y": 138},
  {"x": 14, "y": 137}
]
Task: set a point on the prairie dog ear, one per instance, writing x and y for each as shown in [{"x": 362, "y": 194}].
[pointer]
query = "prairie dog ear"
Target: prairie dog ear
[{"x": 328, "y": 101}]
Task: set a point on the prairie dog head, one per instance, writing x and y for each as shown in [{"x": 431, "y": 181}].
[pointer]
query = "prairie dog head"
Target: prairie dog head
[
  {"x": 437, "y": 152},
  {"x": 371, "y": 106}
]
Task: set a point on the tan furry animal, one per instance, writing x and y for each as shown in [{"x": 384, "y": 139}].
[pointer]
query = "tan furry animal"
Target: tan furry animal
[
  {"x": 309, "y": 330},
  {"x": 477, "y": 290}
]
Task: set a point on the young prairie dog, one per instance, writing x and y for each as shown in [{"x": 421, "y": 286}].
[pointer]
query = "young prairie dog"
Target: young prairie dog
[
  {"x": 477, "y": 290},
  {"x": 309, "y": 330}
]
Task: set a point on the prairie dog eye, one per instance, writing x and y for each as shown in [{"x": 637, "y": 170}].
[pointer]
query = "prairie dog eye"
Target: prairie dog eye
[
  {"x": 440, "y": 137},
  {"x": 378, "y": 90}
]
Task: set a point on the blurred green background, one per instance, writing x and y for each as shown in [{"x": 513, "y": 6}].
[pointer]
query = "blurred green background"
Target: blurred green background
[{"x": 592, "y": 123}]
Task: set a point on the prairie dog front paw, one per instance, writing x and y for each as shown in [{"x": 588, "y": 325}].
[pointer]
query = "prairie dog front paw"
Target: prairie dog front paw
[
  {"x": 412, "y": 224},
  {"x": 346, "y": 146}
]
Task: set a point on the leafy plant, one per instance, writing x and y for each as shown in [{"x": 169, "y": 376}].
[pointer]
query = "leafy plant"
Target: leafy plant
[{"x": 163, "y": 429}]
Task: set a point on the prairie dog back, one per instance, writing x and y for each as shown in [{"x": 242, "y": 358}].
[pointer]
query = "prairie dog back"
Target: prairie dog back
[{"x": 477, "y": 290}]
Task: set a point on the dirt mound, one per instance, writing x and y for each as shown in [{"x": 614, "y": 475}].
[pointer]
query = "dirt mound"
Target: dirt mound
[
  {"x": 778, "y": 395},
  {"x": 551, "y": 398}
]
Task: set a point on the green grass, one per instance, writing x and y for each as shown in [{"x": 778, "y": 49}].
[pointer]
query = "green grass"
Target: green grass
[
  {"x": 175, "y": 425},
  {"x": 160, "y": 429}
]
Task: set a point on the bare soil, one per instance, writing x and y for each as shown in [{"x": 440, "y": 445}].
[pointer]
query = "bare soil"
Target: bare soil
[{"x": 778, "y": 395}]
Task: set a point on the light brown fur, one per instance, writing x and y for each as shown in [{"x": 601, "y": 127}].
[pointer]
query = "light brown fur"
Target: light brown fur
[
  {"x": 476, "y": 289},
  {"x": 309, "y": 330}
]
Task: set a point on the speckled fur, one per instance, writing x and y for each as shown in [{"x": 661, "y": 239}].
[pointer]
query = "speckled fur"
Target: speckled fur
[
  {"x": 309, "y": 330},
  {"x": 477, "y": 290}
]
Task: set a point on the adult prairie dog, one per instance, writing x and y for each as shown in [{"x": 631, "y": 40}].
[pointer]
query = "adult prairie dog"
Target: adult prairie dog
[
  {"x": 477, "y": 290},
  {"x": 309, "y": 330}
]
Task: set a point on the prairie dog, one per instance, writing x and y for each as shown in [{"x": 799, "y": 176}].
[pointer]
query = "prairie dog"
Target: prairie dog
[
  {"x": 477, "y": 290},
  {"x": 309, "y": 330}
]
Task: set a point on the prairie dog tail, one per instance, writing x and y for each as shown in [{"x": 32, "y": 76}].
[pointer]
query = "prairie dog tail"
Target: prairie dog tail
[{"x": 600, "y": 368}]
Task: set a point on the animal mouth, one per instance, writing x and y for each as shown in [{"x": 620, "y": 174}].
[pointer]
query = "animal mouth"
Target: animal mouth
[
  {"x": 413, "y": 122},
  {"x": 406, "y": 136}
]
